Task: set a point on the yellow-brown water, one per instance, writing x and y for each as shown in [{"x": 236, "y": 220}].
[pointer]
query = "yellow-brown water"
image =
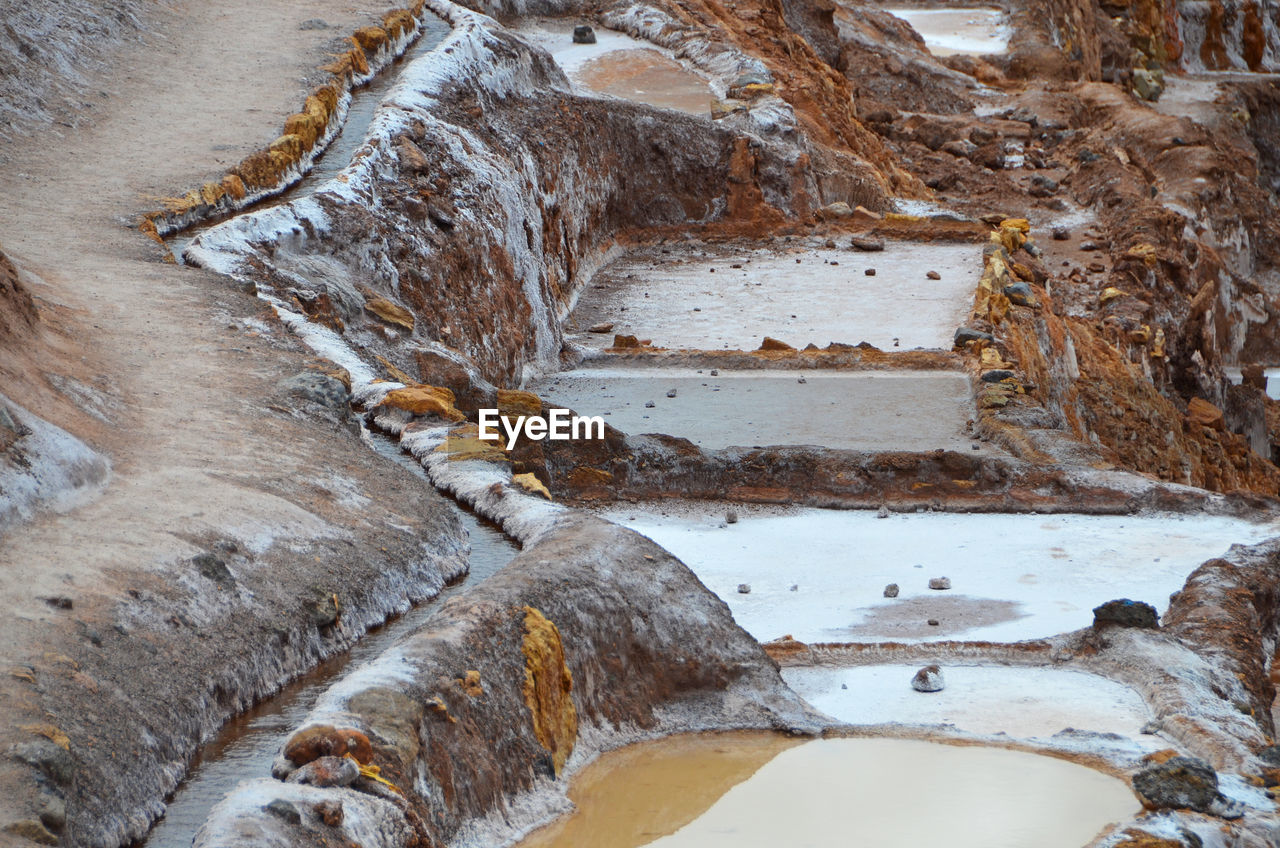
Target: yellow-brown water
[
  {"x": 745, "y": 790},
  {"x": 646, "y": 76}
]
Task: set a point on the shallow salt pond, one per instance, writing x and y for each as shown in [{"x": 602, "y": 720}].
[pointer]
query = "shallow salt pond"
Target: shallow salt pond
[
  {"x": 1025, "y": 703},
  {"x": 745, "y": 790},
  {"x": 1013, "y": 577},
  {"x": 694, "y": 297},
  {"x": 950, "y": 32},
  {"x": 883, "y": 410},
  {"x": 621, "y": 66}
]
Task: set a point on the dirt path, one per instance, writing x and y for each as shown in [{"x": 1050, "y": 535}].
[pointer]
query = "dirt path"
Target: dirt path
[{"x": 185, "y": 387}]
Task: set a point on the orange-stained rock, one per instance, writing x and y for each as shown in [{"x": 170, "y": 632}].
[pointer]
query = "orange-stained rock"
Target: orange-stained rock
[
  {"x": 1205, "y": 414},
  {"x": 390, "y": 312},
  {"x": 325, "y": 740},
  {"x": 548, "y": 685},
  {"x": 211, "y": 193},
  {"x": 233, "y": 186},
  {"x": 623, "y": 342},
  {"x": 771, "y": 343},
  {"x": 370, "y": 37},
  {"x": 306, "y": 126},
  {"x": 584, "y": 477},
  {"x": 398, "y": 21},
  {"x": 424, "y": 400},
  {"x": 470, "y": 683},
  {"x": 531, "y": 484},
  {"x": 513, "y": 402},
  {"x": 289, "y": 145}
]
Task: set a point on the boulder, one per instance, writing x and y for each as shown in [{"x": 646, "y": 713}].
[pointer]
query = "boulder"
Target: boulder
[
  {"x": 324, "y": 740},
  {"x": 891, "y": 591},
  {"x": 1020, "y": 294},
  {"x": 964, "y": 335},
  {"x": 327, "y": 771},
  {"x": 1205, "y": 414},
  {"x": 929, "y": 679},
  {"x": 583, "y": 34},
  {"x": 1183, "y": 783},
  {"x": 1125, "y": 613},
  {"x": 939, "y": 583}
]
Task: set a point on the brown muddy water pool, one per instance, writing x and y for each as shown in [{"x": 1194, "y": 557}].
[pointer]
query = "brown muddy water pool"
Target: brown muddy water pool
[
  {"x": 618, "y": 65},
  {"x": 245, "y": 746},
  {"x": 880, "y": 410},
  {"x": 752, "y": 789},
  {"x": 711, "y": 297}
]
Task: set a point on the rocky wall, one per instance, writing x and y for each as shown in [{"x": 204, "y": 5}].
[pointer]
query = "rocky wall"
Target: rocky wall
[
  {"x": 591, "y": 638},
  {"x": 1134, "y": 366},
  {"x": 486, "y": 182}
]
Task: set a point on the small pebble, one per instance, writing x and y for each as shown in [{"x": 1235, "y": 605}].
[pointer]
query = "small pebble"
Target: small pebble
[
  {"x": 870, "y": 272},
  {"x": 933, "y": 622},
  {"x": 795, "y": 587},
  {"x": 891, "y": 591},
  {"x": 934, "y": 275},
  {"x": 731, "y": 517},
  {"x": 671, "y": 393},
  {"x": 801, "y": 380},
  {"x": 939, "y": 582},
  {"x": 883, "y": 513},
  {"x": 744, "y": 588},
  {"x": 715, "y": 373},
  {"x": 1061, "y": 234},
  {"x": 649, "y": 404}
]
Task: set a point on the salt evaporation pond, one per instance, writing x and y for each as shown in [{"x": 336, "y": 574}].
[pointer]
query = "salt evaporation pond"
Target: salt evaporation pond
[
  {"x": 1025, "y": 703},
  {"x": 868, "y": 410},
  {"x": 621, "y": 66},
  {"x": 1013, "y": 577},
  {"x": 714, "y": 298},
  {"x": 951, "y": 32},
  {"x": 889, "y": 793}
]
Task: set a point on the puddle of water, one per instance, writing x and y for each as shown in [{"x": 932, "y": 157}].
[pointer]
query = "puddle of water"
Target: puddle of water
[
  {"x": 625, "y": 67},
  {"x": 336, "y": 157},
  {"x": 950, "y": 32},
  {"x": 642, "y": 792},
  {"x": 1055, "y": 569},
  {"x": 1025, "y": 703},
  {"x": 898, "y": 410},
  {"x": 246, "y": 745},
  {"x": 693, "y": 297},
  {"x": 884, "y": 792},
  {"x": 646, "y": 76}
]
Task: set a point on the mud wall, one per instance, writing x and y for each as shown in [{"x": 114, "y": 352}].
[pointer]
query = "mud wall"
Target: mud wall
[{"x": 466, "y": 718}]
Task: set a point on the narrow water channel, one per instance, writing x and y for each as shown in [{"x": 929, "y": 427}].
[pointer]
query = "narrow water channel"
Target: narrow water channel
[
  {"x": 247, "y": 744},
  {"x": 336, "y": 157}
]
